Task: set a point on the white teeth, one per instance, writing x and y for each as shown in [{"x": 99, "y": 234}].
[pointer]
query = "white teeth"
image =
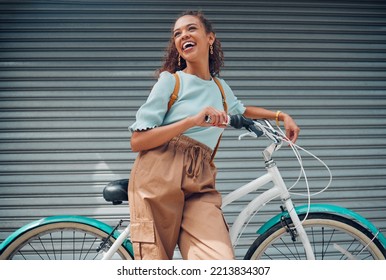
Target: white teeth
[{"x": 188, "y": 44}]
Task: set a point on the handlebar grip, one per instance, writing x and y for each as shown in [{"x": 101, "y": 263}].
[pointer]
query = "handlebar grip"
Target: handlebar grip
[{"x": 239, "y": 121}]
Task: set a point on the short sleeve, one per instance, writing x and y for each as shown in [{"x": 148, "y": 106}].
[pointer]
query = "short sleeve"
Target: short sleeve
[
  {"x": 235, "y": 106},
  {"x": 151, "y": 114}
]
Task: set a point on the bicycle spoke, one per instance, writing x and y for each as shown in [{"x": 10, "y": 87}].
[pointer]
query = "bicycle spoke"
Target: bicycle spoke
[
  {"x": 366, "y": 258},
  {"x": 89, "y": 249},
  {"x": 268, "y": 256},
  {"x": 36, "y": 251},
  {"x": 289, "y": 249},
  {"x": 322, "y": 243},
  {"x": 21, "y": 253},
  {"x": 61, "y": 245},
  {"x": 81, "y": 249},
  {"x": 44, "y": 248},
  {"x": 360, "y": 247},
  {"x": 297, "y": 251},
  {"x": 313, "y": 242},
  {"x": 52, "y": 244},
  {"x": 329, "y": 241},
  {"x": 281, "y": 252},
  {"x": 73, "y": 245}
]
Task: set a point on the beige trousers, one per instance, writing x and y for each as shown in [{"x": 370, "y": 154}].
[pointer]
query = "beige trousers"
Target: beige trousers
[{"x": 173, "y": 200}]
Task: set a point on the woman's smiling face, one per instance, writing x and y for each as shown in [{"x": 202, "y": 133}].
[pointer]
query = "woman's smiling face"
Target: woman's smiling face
[{"x": 191, "y": 40}]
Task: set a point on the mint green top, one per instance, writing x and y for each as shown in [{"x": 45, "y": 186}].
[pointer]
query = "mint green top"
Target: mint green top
[{"x": 194, "y": 95}]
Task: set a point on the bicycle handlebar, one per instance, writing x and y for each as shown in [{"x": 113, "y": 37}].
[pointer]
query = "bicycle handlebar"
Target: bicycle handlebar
[
  {"x": 239, "y": 121},
  {"x": 257, "y": 127}
]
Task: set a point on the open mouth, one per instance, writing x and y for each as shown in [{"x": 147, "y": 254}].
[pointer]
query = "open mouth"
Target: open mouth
[{"x": 188, "y": 45}]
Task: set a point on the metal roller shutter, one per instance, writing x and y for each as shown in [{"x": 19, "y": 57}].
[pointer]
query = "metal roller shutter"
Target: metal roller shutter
[{"x": 73, "y": 74}]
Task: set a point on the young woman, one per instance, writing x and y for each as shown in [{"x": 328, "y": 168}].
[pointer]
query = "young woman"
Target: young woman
[{"x": 172, "y": 193}]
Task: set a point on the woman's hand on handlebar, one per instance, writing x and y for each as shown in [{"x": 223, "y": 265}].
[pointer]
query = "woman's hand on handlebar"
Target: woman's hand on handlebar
[
  {"x": 291, "y": 128},
  {"x": 210, "y": 116}
]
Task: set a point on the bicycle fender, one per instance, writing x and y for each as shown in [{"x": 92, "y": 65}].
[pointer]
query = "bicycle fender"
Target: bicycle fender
[
  {"x": 327, "y": 208},
  {"x": 57, "y": 219}
]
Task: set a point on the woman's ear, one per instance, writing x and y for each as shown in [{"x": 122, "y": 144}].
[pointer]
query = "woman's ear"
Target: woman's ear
[{"x": 212, "y": 38}]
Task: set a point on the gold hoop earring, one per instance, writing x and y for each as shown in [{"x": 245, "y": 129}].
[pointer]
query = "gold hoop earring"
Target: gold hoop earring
[
  {"x": 179, "y": 61},
  {"x": 211, "y": 49}
]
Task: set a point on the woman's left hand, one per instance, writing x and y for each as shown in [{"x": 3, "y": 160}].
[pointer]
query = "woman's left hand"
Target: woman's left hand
[{"x": 291, "y": 129}]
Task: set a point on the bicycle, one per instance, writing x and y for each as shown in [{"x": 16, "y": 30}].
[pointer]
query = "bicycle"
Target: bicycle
[{"x": 311, "y": 231}]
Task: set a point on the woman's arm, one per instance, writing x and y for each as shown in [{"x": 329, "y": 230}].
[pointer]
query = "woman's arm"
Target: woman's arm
[
  {"x": 148, "y": 139},
  {"x": 291, "y": 128}
]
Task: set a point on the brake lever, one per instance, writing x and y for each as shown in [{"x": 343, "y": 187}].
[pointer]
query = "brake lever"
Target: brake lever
[
  {"x": 270, "y": 133},
  {"x": 253, "y": 129},
  {"x": 251, "y": 134}
]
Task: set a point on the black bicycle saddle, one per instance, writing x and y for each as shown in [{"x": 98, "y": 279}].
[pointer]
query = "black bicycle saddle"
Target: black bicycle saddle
[{"x": 116, "y": 191}]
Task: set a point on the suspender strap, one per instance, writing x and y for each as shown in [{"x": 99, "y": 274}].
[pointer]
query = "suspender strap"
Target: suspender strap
[
  {"x": 174, "y": 95},
  {"x": 224, "y": 103}
]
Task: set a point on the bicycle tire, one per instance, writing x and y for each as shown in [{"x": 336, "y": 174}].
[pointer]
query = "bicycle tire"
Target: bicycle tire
[
  {"x": 332, "y": 237},
  {"x": 61, "y": 241}
]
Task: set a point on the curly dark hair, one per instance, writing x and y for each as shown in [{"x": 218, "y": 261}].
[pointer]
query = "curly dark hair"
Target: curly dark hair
[{"x": 216, "y": 60}]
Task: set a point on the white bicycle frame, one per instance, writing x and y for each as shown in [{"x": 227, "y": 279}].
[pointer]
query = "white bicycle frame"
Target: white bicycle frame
[{"x": 278, "y": 190}]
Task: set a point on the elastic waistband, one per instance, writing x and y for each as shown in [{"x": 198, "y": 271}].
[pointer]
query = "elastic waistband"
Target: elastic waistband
[{"x": 183, "y": 142}]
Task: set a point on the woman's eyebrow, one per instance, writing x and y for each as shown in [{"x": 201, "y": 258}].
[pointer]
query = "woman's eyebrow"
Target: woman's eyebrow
[{"x": 188, "y": 25}]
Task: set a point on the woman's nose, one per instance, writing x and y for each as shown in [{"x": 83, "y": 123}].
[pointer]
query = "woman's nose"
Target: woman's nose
[{"x": 185, "y": 35}]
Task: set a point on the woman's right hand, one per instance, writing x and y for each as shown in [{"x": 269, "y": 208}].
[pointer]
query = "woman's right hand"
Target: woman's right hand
[
  {"x": 148, "y": 139},
  {"x": 216, "y": 117}
]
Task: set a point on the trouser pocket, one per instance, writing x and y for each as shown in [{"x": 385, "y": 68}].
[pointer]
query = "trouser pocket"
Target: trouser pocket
[{"x": 143, "y": 239}]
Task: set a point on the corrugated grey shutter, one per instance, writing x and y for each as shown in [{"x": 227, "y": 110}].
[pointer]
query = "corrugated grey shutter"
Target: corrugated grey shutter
[{"x": 74, "y": 73}]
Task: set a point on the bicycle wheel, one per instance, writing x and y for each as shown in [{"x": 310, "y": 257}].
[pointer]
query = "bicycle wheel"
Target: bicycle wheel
[
  {"x": 61, "y": 241},
  {"x": 332, "y": 237}
]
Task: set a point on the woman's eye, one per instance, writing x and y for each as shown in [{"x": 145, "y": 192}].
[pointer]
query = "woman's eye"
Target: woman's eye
[{"x": 178, "y": 33}]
